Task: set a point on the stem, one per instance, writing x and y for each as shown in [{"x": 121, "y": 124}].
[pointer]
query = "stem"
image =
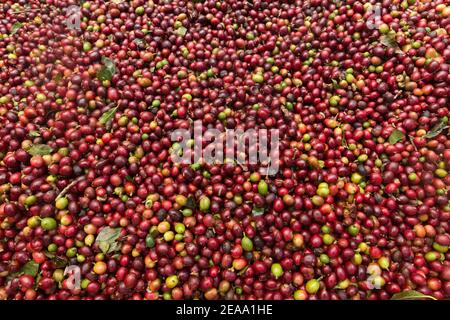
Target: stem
[
  {"x": 23, "y": 11},
  {"x": 412, "y": 142},
  {"x": 66, "y": 189}
]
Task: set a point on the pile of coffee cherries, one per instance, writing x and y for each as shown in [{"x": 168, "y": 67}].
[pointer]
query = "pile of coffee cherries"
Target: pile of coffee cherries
[{"x": 93, "y": 206}]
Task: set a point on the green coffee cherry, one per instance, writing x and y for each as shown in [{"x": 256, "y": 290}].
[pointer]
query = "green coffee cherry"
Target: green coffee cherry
[
  {"x": 353, "y": 230},
  {"x": 263, "y": 188},
  {"x": 149, "y": 241},
  {"x": 48, "y": 223},
  {"x": 276, "y": 270},
  {"x": 61, "y": 203},
  {"x": 312, "y": 286},
  {"x": 247, "y": 244},
  {"x": 258, "y": 78},
  {"x": 205, "y": 203},
  {"x": 180, "y": 228}
]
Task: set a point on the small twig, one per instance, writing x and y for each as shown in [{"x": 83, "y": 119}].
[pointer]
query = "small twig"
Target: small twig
[
  {"x": 28, "y": 10},
  {"x": 66, "y": 189},
  {"x": 268, "y": 167},
  {"x": 115, "y": 1},
  {"x": 412, "y": 142},
  {"x": 285, "y": 111},
  {"x": 397, "y": 94}
]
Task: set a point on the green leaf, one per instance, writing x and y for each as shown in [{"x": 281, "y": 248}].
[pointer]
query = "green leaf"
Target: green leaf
[
  {"x": 36, "y": 282},
  {"x": 108, "y": 234},
  {"x": 31, "y": 268},
  {"x": 139, "y": 42},
  {"x": 107, "y": 240},
  {"x": 58, "y": 261},
  {"x": 335, "y": 83},
  {"x": 35, "y": 134},
  {"x": 109, "y": 64},
  {"x": 107, "y": 70},
  {"x": 190, "y": 203},
  {"x": 58, "y": 77},
  {"x": 181, "y": 31},
  {"x": 39, "y": 149},
  {"x": 257, "y": 211},
  {"x": 108, "y": 115},
  {"x": 115, "y": 246},
  {"x": 396, "y": 136},
  {"x": 104, "y": 246},
  {"x": 104, "y": 74},
  {"x": 436, "y": 130},
  {"x": 411, "y": 295},
  {"x": 15, "y": 27}
]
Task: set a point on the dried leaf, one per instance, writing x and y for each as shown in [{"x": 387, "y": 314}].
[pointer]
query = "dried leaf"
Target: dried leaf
[
  {"x": 13, "y": 275},
  {"x": 39, "y": 149},
  {"x": 344, "y": 141},
  {"x": 396, "y": 136},
  {"x": 49, "y": 254},
  {"x": 108, "y": 115},
  {"x": 389, "y": 41},
  {"x": 411, "y": 295}
]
